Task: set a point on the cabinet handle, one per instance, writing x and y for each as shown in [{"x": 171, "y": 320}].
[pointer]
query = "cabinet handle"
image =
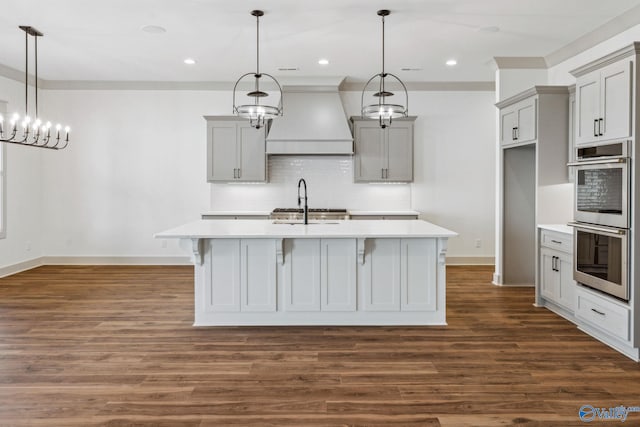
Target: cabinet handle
[
  {"x": 598, "y": 312},
  {"x": 554, "y": 263},
  {"x": 595, "y": 123},
  {"x": 556, "y": 241},
  {"x": 600, "y": 126},
  {"x": 239, "y": 174},
  {"x": 386, "y": 173},
  {"x": 513, "y": 134},
  {"x": 382, "y": 173}
]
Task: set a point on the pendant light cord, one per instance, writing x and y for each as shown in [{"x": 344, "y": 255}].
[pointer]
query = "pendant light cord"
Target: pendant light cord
[
  {"x": 36, "y": 70},
  {"x": 26, "y": 73}
]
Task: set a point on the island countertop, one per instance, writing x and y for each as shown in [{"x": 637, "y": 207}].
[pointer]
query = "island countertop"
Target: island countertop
[{"x": 221, "y": 229}]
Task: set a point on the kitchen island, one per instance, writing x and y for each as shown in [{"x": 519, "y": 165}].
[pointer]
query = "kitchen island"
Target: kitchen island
[{"x": 366, "y": 272}]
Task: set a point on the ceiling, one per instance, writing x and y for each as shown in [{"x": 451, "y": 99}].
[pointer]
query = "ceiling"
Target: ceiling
[{"x": 102, "y": 40}]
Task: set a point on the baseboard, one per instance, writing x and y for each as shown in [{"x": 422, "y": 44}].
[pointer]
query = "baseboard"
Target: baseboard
[
  {"x": 20, "y": 266},
  {"x": 115, "y": 260},
  {"x": 93, "y": 260},
  {"x": 471, "y": 260}
]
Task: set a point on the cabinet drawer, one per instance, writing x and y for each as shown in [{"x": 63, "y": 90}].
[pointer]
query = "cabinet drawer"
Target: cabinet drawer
[
  {"x": 598, "y": 312},
  {"x": 558, "y": 241}
]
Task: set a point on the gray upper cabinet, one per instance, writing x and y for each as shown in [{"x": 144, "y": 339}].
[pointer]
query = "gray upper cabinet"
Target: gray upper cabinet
[
  {"x": 518, "y": 122},
  {"x": 603, "y": 103},
  {"x": 235, "y": 150},
  {"x": 383, "y": 155}
]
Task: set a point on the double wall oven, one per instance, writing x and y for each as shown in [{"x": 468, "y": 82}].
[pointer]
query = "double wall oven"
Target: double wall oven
[{"x": 601, "y": 211}]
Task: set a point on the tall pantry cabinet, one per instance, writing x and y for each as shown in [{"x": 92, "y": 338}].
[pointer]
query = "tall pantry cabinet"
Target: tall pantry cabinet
[{"x": 532, "y": 157}]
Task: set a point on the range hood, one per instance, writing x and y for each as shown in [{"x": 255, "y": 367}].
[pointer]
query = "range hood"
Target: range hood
[{"x": 314, "y": 122}]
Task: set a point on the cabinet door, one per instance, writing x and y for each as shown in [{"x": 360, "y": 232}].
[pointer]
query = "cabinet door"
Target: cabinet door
[
  {"x": 567, "y": 286},
  {"x": 418, "y": 274},
  {"x": 370, "y": 157},
  {"x": 550, "y": 279},
  {"x": 381, "y": 276},
  {"x": 250, "y": 153},
  {"x": 302, "y": 275},
  {"x": 615, "y": 100},
  {"x": 508, "y": 123},
  {"x": 338, "y": 274},
  {"x": 221, "y": 151},
  {"x": 526, "y": 117},
  {"x": 587, "y": 108},
  {"x": 399, "y": 147},
  {"x": 222, "y": 290},
  {"x": 258, "y": 275}
]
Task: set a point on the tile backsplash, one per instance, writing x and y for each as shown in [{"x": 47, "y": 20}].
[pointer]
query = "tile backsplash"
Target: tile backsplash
[{"x": 329, "y": 182}]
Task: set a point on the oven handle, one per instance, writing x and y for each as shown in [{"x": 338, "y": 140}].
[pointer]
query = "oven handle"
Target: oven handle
[
  {"x": 600, "y": 229},
  {"x": 598, "y": 162}
]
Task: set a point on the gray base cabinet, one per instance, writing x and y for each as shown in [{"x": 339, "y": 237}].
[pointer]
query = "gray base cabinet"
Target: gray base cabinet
[
  {"x": 383, "y": 155},
  {"x": 236, "y": 152}
]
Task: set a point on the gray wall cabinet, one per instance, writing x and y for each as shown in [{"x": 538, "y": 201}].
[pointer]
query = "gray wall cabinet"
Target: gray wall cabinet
[
  {"x": 383, "y": 155},
  {"x": 235, "y": 150}
]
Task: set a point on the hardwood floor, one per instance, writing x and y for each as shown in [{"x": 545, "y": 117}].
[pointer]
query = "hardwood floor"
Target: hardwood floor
[{"x": 114, "y": 346}]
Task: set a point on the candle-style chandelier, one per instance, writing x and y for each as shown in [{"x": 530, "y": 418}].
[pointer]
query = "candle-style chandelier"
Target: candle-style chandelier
[
  {"x": 257, "y": 113},
  {"x": 382, "y": 110},
  {"x": 24, "y": 130}
]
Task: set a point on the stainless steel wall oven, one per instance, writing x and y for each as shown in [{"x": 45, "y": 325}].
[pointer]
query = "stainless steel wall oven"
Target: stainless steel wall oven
[{"x": 601, "y": 211}]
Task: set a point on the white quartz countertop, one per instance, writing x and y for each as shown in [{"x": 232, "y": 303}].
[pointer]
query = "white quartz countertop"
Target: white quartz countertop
[
  {"x": 237, "y": 213},
  {"x": 221, "y": 229},
  {"x": 560, "y": 228},
  {"x": 376, "y": 213}
]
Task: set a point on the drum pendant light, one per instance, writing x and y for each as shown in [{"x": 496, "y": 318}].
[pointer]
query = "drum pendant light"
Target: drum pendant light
[
  {"x": 382, "y": 110},
  {"x": 256, "y": 112}
]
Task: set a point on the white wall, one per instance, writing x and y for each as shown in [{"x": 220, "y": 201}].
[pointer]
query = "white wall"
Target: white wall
[
  {"x": 136, "y": 165},
  {"x": 23, "y": 240}
]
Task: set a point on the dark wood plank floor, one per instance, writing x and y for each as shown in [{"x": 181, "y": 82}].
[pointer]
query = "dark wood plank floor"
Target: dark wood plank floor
[{"x": 114, "y": 346}]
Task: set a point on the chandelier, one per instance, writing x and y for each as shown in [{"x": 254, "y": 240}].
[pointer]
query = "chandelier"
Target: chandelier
[
  {"x": 382, "y": 110},
  {"x": 25, "y": 131},
  {"x": 257, "y": 113}
]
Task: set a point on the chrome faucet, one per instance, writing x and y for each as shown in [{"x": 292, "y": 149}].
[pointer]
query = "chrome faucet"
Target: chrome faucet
[{"x": 306, "y": 208}]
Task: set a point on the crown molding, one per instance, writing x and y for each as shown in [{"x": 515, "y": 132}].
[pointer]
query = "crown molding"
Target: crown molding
[
  {"x": 609, "y": 29},
  {"x": 536, "y": 90},
  {"x": 520, "y": 62},
  {"x": 625, "y": 52},
  {"x": 463, "y": 86}
]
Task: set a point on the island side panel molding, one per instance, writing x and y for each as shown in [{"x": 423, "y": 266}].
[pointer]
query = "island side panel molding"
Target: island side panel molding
[
  {"x": 338, "y": 277},
  {"x": 222, "y": 293},
  {"x": 258, "y": 275},
  {"x": 302, "y": 275},
  {"x": 381, "y": 275},
  {"x": 418, "y": 274}
]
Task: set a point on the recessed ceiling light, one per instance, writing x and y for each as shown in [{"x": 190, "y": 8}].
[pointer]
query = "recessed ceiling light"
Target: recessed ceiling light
[
  {"x": 323, "y": 61},
  {"x": 154, "y": 29},
  {"x": 451, "y": 62},
  {"x": 189, "y": 61}
]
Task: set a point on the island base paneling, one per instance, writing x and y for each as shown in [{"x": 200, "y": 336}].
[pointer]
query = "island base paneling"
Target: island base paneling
[{"x": 307, "y": 281}]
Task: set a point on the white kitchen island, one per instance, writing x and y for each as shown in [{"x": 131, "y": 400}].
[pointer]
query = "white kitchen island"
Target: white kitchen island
[{"x": 366, "y": 272}]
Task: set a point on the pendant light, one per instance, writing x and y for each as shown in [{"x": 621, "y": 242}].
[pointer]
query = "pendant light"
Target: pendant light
[
  {"x": 24, "y": 131},
  {"x": 257, "y": 113},
  {"x": 382, "y": 110}
]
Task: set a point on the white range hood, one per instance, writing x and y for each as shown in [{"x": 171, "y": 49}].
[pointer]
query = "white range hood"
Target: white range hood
[{"x": 314, "y": 122}]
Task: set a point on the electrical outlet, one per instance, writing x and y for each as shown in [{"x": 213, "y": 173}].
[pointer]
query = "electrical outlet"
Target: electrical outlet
[{"x": 478, "y": 243}]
